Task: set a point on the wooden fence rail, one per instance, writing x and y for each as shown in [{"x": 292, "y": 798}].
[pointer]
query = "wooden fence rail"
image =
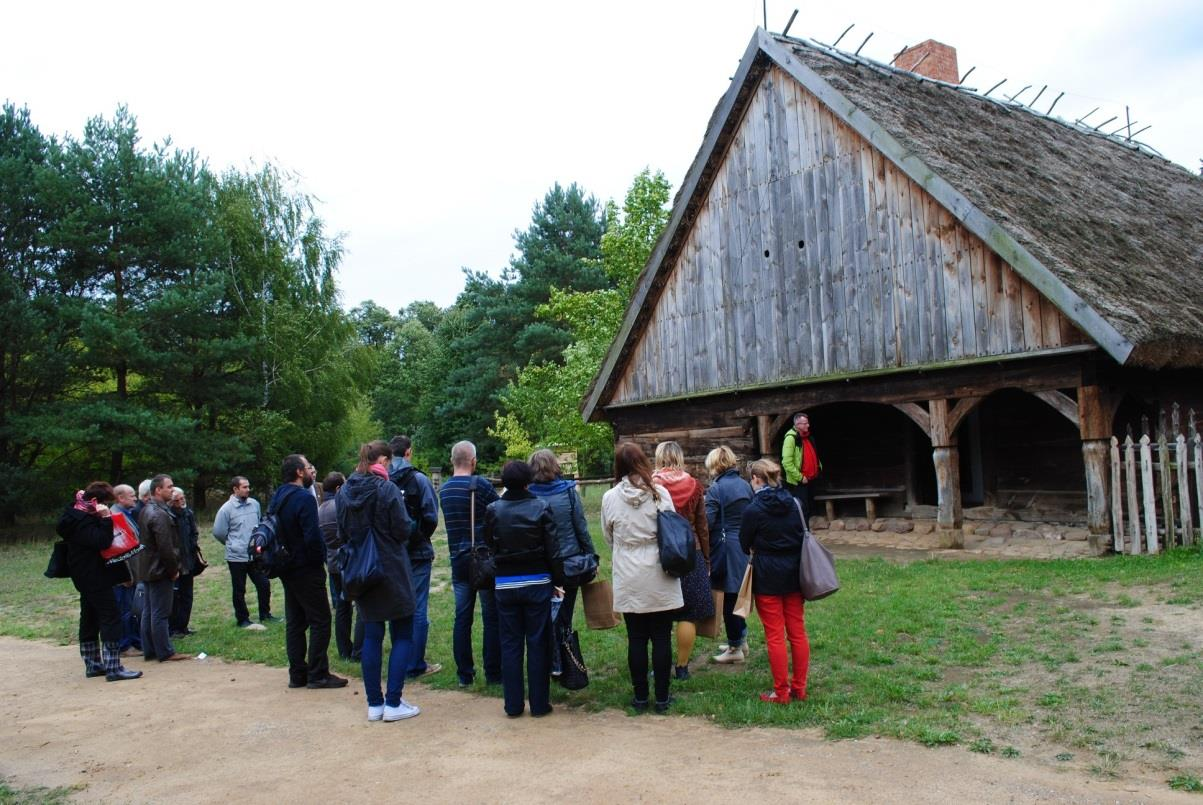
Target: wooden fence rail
[{"x": 1154, "y": 503}]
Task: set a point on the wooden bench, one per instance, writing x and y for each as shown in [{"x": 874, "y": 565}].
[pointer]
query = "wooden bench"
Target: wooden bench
[{"x": 869, "y": 496}]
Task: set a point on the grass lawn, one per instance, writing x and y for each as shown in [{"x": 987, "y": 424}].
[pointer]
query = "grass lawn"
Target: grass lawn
[{"x": 1095, "y": 664}]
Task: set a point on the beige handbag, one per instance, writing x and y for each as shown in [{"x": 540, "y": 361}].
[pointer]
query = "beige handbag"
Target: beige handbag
[
  {"x": 743, "y": 601},
  {"x": 598, "y": 596}
]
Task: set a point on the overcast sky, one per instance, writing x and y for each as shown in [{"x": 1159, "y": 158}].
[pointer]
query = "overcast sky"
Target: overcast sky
[{"x": 429, "y": 130}]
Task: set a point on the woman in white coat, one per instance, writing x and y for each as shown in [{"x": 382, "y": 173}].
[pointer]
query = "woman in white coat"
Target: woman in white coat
[{"x": 646, "y": 596}]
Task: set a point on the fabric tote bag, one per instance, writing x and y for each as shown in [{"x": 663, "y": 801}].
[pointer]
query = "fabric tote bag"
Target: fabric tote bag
[
  {"x": 744, "y": 601},
  {"x": 125, "y": 541},
  {"x": 599, "y": 605},
  {"x": 816, "y": 572}
]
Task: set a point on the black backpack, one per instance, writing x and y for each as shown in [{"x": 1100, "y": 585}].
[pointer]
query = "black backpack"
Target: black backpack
[
  {"x": 411, "y": 491},
  {"x": 267, "y": 551}
]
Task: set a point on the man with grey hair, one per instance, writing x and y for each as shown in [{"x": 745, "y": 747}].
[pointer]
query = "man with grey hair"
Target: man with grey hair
[
  {"x": 162, "y": 568},
  {"x": 464, "y": 497},
  {"x": 129, "y": 604}
]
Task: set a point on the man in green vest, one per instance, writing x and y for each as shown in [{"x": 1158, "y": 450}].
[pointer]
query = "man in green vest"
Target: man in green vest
[{"x": 800, "y": 462}]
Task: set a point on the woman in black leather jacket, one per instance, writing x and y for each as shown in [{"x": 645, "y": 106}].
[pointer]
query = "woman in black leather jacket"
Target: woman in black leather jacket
[{"x": 521, "y": 531}]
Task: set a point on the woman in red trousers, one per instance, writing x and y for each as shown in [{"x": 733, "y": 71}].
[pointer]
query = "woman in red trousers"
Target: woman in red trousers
[{"x": 772, "y": 532}]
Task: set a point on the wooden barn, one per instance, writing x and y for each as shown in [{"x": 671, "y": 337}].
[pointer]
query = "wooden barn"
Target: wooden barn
[{"x": 968, "y": 298}]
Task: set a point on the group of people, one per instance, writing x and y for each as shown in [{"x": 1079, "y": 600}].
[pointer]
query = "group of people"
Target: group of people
[{"x": 542, "y": 551}]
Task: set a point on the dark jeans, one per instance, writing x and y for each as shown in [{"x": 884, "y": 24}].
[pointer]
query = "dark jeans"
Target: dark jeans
[
  {"x": 524, "y": 614},
  {"x": 239, "y": 571},
  {"x": 156, "y": 610},
  {"x": 130, "y": 615},
  {"x": 461, "y": 633},
  {"x": 99, "y": 616},
  {"x": 400, "y": 633},
  {"x": 420, "y": 573},
  {"x": 658, "y": 628},
  {"x": 564, "y": 617},
  {"x": 348, "y": 649},
  {"x": 306, "y": 608},
  {"x": 181, "y": 606},
  {"x": 737, "y": 627},
  {"x": 805, "y": 494}
]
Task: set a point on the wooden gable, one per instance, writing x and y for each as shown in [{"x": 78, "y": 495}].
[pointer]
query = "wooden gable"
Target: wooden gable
[{"x": 814, "y": 256}]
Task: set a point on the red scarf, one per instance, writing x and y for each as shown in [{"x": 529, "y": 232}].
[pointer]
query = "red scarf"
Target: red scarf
[
  {"x": 85, "y": 506},
  {"x": 378, "y": 469},
  {"x": 679, "y": 483},
  {"x": 810, "y": 459}
]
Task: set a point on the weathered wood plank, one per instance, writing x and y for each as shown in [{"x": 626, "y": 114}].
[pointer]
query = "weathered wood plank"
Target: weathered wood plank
[
  {"x": 1050, "y": 324},
  {"x": 995, "y": 301},
  {"x": 1117, "y": 496},
  {"x": 937, "y": 300},
  {"x": 1166, "y": 483},
  {"x": 1012, "y": 308},
  {"x": 1149, "y": 500},
  {"x": 954, "y": 346},
  {"x": 1030, "y": 312},
  {"x": 1134, "y": 536}
]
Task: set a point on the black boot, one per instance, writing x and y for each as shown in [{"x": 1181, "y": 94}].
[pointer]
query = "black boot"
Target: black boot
[{"x": 113, "y": 670}]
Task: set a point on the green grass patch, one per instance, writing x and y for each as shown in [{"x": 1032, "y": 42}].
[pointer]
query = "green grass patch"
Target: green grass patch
[
  {"x": 1186, "y": 782},
  {"x": 11, "y": 794}
]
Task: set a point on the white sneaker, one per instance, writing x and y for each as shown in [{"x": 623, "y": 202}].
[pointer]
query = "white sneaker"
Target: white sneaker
[
  {"x": 375, "y": 713},
  {"x": 730, "y": 656},
  {"x": 404, "y": 710},
  {"x": 255, "y": 627}
]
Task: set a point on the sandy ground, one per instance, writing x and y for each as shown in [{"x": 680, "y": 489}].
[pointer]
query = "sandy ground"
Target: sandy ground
[{"x": 209, "y": 731}]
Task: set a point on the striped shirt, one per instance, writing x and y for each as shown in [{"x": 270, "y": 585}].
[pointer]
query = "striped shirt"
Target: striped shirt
[
  {"x": 455, "y": 496},
  {"x": 530, "y": 580}
]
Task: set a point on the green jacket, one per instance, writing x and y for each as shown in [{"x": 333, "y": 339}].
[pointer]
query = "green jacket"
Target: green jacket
[{"x": 791, "y": 458}]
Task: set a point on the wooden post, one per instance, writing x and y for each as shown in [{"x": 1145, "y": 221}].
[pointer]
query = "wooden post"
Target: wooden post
[
  {"x": 1117, "y": 496},
  {"x": 947, "y": 459},
  {"x": 764, "y": 435},
  {"x": 1133, "y": 497},
  {"x": 1183, "y": 461},
  {"x": 1150, "y": 503},
  {"x": 1197, "y": 444},
  {"x": 1094, "y": 424},
  {"x": 1166, "y": 481}
]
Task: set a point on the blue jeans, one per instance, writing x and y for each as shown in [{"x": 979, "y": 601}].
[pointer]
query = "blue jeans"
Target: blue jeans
[
  {"x": 461, "y": 633},
  {"x": 525, "y": 617},
  {"x": 420, "y": 573},
  {"x": 400, "y": 633}
]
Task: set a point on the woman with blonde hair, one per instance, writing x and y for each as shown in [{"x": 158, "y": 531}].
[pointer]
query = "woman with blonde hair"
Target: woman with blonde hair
[
  {"x": 772, "y": 532},
  {"x": 726, "y": 499},
  {"x": 646, "y": 596},
  {"x": 686, "y": 493}
]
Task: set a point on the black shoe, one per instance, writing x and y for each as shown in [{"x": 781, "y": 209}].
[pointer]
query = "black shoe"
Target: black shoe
[
  {"x": 662, "y": 707},
  {"x": 270, "y": 619},
  {"x": 122, "y": 673},
  {"x": 91, "y": 674},
  {"x": 292, "y": 683},
  {"x": 640, "y": 706},
  {"x": 540, "y": 715},
  {"x": 682, "y": 673},
  {"x": 328, "y": 681}
]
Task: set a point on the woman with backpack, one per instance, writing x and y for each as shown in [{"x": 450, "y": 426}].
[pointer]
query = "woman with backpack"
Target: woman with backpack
[
  {"x": 369, "y": 507},
  {"x": 772, "y": 532},
  {"x": 726, "y": 499},
  {"x": 687, "y": 499},
  {"x": 521, "y": 531},
  {"x": 646, "y": 596},
  {"x": 574, "y": 546}
]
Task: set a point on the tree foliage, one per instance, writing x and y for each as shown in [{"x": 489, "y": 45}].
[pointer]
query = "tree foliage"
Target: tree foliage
[{"x": 156, "y": 317}]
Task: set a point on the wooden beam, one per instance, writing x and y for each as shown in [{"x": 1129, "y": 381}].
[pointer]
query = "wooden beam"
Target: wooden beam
[
  {"x": 963, "y": 408},
  {"x": 917, "y": 415},
  {"x": 1062, "y": 403},
  {"x": 996, "y": 237},
  {"x": 1095, "y": 412}
]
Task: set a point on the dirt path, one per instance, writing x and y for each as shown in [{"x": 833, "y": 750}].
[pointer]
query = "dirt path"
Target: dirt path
[{"x": 209, "y": 731}]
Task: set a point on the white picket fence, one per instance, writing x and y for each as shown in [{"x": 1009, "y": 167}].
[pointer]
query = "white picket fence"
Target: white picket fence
[{"x": 1157, "y": 486}]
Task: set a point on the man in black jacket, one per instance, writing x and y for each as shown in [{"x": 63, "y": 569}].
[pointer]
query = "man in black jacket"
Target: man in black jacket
[
  {"x": 304, "y": 578},
  {"x": 161, "y": 565},
  {"x": 423, "y": 509}
]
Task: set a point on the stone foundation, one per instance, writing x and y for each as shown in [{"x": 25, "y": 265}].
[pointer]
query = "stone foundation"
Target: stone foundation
[{"x": 981, "y": 537}]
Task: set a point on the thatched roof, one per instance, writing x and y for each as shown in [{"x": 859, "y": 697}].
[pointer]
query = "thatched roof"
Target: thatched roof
[
  {"x": 1110, "y": 233},
  {"x": 1121, "y": 227}
]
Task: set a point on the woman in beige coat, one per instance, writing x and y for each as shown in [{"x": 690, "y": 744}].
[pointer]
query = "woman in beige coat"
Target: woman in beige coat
[{"x": 645, "y": 595}]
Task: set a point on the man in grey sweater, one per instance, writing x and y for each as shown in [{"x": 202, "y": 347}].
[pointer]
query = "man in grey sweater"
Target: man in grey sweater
[{"x": 232, "y": 527}]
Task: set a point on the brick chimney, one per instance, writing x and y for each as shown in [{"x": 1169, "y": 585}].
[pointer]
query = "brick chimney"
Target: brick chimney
[{"x": 932, "y": 59}]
